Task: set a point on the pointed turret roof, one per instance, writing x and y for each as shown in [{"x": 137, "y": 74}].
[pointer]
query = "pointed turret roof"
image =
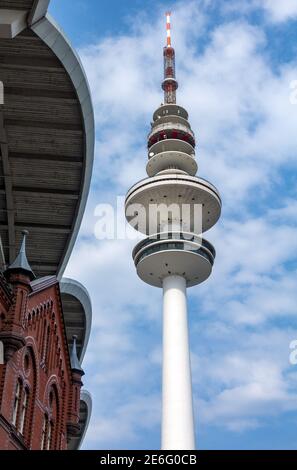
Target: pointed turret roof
[
  {"x": 21, "y": 262},
  {"x": 75, "y": 365}
]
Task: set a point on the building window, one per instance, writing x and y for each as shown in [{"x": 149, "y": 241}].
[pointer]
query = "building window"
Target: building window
[
  {"x": 23, "y": 411},
  {"x": 50, "y": 426},
  {"x": 49, "y": 435},
  {"x": 16, "y": 403},
  {"x": 43, "y": 434}
]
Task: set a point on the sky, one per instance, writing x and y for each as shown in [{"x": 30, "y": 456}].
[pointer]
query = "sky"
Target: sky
[{"x": 236, "y": 63}]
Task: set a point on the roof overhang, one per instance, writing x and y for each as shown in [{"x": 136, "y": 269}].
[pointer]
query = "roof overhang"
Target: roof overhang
[
  {"x": 85, "y": 415},
  {"x": 77, "y": 309}
]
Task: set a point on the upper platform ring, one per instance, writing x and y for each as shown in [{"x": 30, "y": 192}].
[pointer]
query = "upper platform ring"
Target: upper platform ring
[
  {"x": 170, "y": 109},
  {"x": 166, "y": 190}
]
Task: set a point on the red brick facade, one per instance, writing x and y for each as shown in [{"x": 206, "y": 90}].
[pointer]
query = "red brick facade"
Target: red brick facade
[{"x": 39, "y": 392}]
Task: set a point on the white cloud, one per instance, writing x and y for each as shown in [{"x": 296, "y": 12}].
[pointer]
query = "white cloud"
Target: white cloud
[
  {"x": 125, "y": 422},
  {"x": 243, "y": 385},
  {"x": 280, "y": 11},
  {"x": 275, "y": 11}
]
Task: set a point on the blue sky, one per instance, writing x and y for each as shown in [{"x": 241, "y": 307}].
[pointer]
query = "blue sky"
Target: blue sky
[{"x": 235, "y": 63}]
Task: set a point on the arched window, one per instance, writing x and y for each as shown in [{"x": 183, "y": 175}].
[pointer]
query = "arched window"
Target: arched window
[
  {"x": 16, "y": 403},
  {"x": 53, "y": 419},
  {"x": 28, "y": 397},
  {"x": 23, "y": 413},
  {"x": 47, "y": 434},
  {"x": 50, "y": 425}
]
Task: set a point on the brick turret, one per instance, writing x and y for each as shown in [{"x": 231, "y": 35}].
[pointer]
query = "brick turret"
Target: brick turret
[
  {"x": 76, "y": 373},
  {"x": 19, "y": 275}
]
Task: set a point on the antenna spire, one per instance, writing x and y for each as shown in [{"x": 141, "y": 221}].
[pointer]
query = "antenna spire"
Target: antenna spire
[
  {"x": 168, "y": 27},
  {"x": 169, "y": 84}
]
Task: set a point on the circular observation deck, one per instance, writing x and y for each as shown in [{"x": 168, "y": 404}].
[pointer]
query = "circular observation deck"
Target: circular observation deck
[
  {"x": 174, "y": 253},
  {"x": 161, "y": 201},
  {"x": 170, "y": 109}
]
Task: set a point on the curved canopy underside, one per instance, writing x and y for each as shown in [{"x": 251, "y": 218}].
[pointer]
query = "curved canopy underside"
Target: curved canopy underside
[
  {"x": 77, "y": 309},
  {"x": 42, "y": 153},
  {"x": 46, "y": 146}
]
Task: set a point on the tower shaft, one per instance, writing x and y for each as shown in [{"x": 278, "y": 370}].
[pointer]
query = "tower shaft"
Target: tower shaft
[{"x": 177, "y": 404}]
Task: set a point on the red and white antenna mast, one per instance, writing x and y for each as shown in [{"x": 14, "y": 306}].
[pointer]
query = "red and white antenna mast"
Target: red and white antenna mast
[
  {"x": 168, "y": 28},
  {"x": 169, "y": 84}
]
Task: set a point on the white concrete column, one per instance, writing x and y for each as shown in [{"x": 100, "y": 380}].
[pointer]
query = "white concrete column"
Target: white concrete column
[{"x": 177, "y": 402}]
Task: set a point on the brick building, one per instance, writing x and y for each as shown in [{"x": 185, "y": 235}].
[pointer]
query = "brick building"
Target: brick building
[
  {"x": 46, "y": 160},
  {"x": 40, "y": 381}
]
